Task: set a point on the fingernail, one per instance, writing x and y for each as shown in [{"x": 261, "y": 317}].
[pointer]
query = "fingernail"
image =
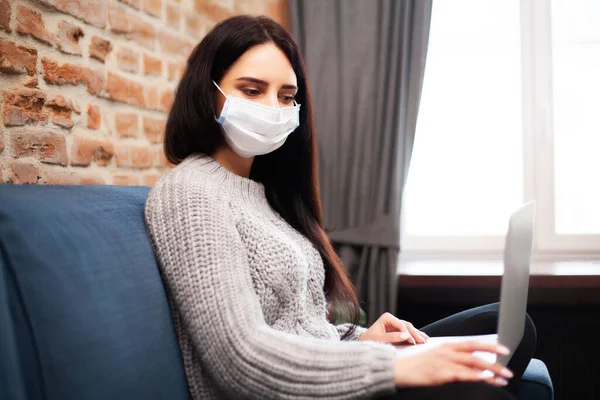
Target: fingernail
[
  {"x": 501, "y": 381},
  {"x": 503, "y": 350},
  {"x": 505, "y": 372}
]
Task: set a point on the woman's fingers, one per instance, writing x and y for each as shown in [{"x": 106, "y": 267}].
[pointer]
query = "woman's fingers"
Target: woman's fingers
[
  {"x": 471, "y": 361},
  {"x": 497, "y": 381},
  {"x": 415, "y": 332},
  {"x": 390, "y": 321},
  {"x": 404, "y": 326},
  {"x": 472, "y": 346},
  {"x": 395, "y": 337}
]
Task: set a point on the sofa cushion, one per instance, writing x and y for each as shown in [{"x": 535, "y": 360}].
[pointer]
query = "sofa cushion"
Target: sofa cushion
[
  {"x": 536, "y": 383},
  {"x": 84, "y": 313}
]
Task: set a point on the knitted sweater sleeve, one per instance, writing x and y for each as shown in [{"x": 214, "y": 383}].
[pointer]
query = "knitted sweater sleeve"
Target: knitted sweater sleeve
[
  {"x": 205, "y": 268},
  {"x": 343, "y": 328}
]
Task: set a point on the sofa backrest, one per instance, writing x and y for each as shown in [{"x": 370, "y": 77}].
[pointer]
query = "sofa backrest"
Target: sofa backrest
[{"x": 83, "y": 312}]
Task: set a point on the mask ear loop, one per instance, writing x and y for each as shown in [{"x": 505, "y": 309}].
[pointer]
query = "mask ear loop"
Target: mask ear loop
[
  {"x": 222, "y": 92},
  {"x": 225, "y": 106}
]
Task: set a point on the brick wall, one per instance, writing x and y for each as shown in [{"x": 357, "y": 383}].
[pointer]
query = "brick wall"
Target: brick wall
[{"x": 86, "y": 85}]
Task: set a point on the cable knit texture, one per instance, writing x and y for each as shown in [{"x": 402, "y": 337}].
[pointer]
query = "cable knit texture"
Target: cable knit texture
[{"x": 246, "y": 293}]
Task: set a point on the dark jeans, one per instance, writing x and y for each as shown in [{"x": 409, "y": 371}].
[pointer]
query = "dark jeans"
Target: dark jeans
[{"x": 476, "y": 321}]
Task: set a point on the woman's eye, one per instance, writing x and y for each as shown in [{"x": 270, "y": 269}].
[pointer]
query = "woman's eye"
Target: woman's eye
[
  {"x": 250, "y": 92},
  {"x": 287, "y": 99}
]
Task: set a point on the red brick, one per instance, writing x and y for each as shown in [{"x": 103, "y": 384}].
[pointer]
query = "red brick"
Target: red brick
[
  {"x": 173, "y": 44},
  {"x": 208, "y": 24},
  {"x": 213, "y": 10},
  {"x": 125, "y": 90},
  {"x": 68, "y": 37},
  {"x": 173, "y": 16},
  {"x": 31, "y": 82},
  {"x": 123, "y": 179},
  {"x": 152, "y": 65},
  {"x": 128, "y": 60},
  {"x": 17, "y": 59},
  {"x": 47, "y": 146},
  {"x": 117, "y": 87},
  {"x": 133, "y": 156},
  {"x": 94, "y": 79},
  {"x": 166, "y": 100},
  {"x": 193, "y": 25},
  {"x": 280, "y": 12},
  {"x": 118, "y": 18},
  {"x": 29, "y": 22},
  {"x": 61, "y": 74},
  {"x": 176, "y": 71},
  {"x": 152, "y": 7},
  {"x": 135, "y": 27},
  {"x": 99, "y": 48},
  {"x": 23, "y": 107},
  {"x": 86, "y": 150},
  {"x": 29, "y": 99},
  {"x": 189, "y": 46},
  {"x": 150, "y": 179},
  {"x": 154, "y": 129},
  {"x": 59, "y": 105},
  {"x": 90, "y": 11},
  {"x": 5, "y": 15},
  {"x": 60, "y": 176},
  {"x": 14, "y": 116},
  {"x": 93, "y": 116},
  {"x": 25, "y": 171},
  {"x": 141, "y": 157},
  {"x": 151, "y": 94},
  {"x": 122, "y": 155},
  {"x": 126, "y": 125},
  {"x": 63, "y": 122},
  {"x": 61, "y": 108},
  {"x": 57, "y": 74},
  {"x": 160, "y": 159},
  {"x": 66, "y": 176},
  {"x": 92, "y": 179},
  {"x": 142, "y": 32}
]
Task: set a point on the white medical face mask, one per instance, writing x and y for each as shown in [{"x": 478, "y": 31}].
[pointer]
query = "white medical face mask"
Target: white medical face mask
[{"x": 252, "y": 129}]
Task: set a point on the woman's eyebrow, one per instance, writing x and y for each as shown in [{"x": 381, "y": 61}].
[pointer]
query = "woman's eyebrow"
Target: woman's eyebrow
[
  {"x": 253, "y": 80},
  {"x": 264, "y": 83}
]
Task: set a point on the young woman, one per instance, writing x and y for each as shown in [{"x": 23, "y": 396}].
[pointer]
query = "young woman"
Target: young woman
[{"x": 248, "y": 268}]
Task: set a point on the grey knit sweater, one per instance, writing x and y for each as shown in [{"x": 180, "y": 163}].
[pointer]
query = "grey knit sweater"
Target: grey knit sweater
[{"x": 246, "y": 293}]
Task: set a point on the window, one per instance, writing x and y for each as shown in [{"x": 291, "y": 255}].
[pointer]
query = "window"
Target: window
[{"x": 510, "y": 111}]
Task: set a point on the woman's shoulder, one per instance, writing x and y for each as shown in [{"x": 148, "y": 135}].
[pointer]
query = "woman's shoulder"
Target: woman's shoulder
[{"x": 187, "y": 180}]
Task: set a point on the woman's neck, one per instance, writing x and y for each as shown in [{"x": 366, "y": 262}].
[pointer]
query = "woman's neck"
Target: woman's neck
[{"x": 232, "y": 162}]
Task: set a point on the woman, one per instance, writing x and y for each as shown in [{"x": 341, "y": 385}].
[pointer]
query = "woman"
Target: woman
[{"x": 249, "y": 271}]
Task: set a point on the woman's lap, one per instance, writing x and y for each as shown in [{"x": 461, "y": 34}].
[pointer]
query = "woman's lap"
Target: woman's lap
[
  {"x": 453, "y": 391},
  {"x": 482, "y": 321},
  {"x": 476, "y": 321}
]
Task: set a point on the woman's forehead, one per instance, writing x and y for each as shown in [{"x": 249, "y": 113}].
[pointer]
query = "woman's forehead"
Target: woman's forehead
[{"x": 265, "y": 62}]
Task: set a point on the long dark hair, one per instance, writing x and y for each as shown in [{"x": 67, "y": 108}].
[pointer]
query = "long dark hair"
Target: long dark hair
[{"x": 289, "y": 174}]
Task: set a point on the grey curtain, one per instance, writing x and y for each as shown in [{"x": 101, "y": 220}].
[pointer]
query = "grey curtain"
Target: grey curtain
[{"x": 365, "y": 62}]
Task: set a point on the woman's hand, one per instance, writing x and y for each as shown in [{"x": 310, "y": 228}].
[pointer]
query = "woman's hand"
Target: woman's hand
[
  {"x": 389, "y": 329},
  {"x": 450, "y": 362}
]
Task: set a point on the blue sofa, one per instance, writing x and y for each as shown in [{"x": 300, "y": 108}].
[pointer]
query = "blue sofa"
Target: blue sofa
[{"x": 83, "y": 310}]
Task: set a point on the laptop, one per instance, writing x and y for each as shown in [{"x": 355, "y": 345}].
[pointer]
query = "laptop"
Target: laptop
[{"x": 513, "y": 295}]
